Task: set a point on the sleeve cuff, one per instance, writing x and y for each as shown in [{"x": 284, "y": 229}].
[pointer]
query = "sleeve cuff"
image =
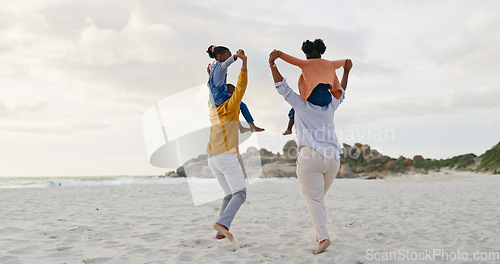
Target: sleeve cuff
[{"x": 282, "y": 83}]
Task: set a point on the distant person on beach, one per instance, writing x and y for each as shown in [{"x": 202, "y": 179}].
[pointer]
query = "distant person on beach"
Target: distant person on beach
[
  {"x": 223, "y": 152},
  {"x": 217, "y": 83},
  {"x": 318, "y": 160},
  {"x": 318, "y": 81}
]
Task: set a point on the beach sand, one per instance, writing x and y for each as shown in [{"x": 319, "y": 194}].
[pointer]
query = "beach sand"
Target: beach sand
[{"x": 160, "y": 224}]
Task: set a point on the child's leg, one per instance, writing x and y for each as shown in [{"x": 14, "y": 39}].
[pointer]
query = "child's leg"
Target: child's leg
[
  {"x": 320, "y": 95},
  {"x": 291, "y": 122},
  {"x": 248, "y": 117},
  {"x": 218, "y": 95},
  {"x": 246, "y": 113}
]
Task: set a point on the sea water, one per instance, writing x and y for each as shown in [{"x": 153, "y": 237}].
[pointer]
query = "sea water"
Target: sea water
[{"x": 73, "y": 181}]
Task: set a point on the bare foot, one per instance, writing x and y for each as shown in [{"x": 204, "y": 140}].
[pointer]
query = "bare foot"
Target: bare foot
[
  {"x": 287, "y": 132},
  {"x": 222, "y": 229},
  {"x": 220, "y": 236},
  {"x": 322, "y": 246},
  {"x": 244, "y": 129},
  {"x": 255, "y": 128}
]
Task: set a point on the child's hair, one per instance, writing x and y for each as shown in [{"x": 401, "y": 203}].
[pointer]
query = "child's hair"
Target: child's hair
[
  {"x": 309, "y": 47},
  {"x": 214, "y": 50}
]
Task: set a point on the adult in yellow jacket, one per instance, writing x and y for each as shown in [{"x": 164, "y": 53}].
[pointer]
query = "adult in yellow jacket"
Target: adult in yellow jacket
[{"x": 223, "y": 154}]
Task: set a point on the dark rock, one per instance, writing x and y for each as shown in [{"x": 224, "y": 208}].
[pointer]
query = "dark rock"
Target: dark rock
[
  {"x": 265, "y": 160},
  {"x": 266, "y": 153},
  {"x": 279, "y": 170},
  {"x": 290, "y": 150},
  {"x": 365, "y": 149},
  {"x": 359, "y": 169},
  {"x": 345, "y": 172},
  {"x": 390, "y": 165},
  {"x": 171, "y": 174},
  {"x": 374, "y": 153},
  {"x": 181, "y": 172},
  {"x": 407, "y": 162},
  {"x": 418, "y": 158},
  {"x": 369, "y": 168},
  {"x": 358, "y": 154}
]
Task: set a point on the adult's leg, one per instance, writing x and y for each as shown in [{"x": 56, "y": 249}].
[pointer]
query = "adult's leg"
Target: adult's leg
[
  {"x": 230, "y": 166},
  {"x": 310, "y": 172},
  {"x": 219, "y": 175},
  {"x": 333, "y": 169}
]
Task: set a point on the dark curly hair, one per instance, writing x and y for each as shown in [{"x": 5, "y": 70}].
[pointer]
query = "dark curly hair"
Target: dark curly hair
[
  {"x": 214, "y": 50},
  {"x": 315, "y": 49}
]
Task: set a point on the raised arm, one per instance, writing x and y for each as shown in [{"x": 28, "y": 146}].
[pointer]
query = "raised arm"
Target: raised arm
[
  {"x": 290, "y": 59},
  {"x": 281, "y": 86},
  {"x": 241, "y": 86},
  {"x": 337, "y": 93},
  {"x": 274, "y": 69},
  {"x": 345, "y": 76},
  {"x": 229, "y": 61}
]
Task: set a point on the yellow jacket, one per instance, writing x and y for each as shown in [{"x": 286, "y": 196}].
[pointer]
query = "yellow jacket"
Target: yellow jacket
[{"x": 225, "y": 121}]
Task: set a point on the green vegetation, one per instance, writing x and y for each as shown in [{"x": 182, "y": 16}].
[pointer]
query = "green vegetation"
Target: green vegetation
[
  {"x": 457, "y": 162},
  {"x": 355, "y": 163},
  {"x": 490, "y": 160},
  {"x": 460, "y": 162}
]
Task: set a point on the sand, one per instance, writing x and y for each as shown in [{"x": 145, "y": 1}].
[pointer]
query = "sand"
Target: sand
[{"x": 160, "y": 224}]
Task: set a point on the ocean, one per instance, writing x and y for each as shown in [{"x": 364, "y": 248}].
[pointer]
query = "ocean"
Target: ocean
[{"x": 72, "y": 181}]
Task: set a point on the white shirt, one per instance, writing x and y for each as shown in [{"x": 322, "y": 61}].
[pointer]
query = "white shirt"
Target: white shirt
[{"x": 314, "y": 124}]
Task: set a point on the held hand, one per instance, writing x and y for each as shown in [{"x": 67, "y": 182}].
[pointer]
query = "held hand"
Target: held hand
[
  {"x": 348, "y": 64},
  {"x": 241, "y": 54},
  {"x": 275, "y": 54}
]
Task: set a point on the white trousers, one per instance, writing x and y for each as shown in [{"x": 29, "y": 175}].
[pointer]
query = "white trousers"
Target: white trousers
[
  {"x": 316, "y": 174},
  {"x": 229, "y": 173},
  {"x": 227, "y": 169}
]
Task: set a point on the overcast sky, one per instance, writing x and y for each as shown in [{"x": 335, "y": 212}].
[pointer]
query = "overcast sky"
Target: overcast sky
[{"x": 76, "y": 76}]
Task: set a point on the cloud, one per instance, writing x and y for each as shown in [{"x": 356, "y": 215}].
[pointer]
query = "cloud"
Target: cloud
[
  {"x": 70, "y": 66},
  {"x": 56, "y": 127},
  {"x": 477, "y": 50},
  {"x": 22, "y": 111},
  {"x": 482, "y": 100},
  {"x": 138, "y": 41},
  {"x": 153, "y": 49}
]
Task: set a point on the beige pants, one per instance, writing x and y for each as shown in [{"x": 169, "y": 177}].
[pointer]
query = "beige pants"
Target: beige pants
[{"x": 316, "y": 174}]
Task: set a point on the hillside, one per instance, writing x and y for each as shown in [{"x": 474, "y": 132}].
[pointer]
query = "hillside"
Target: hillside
[{"x": 359, "y": 160}]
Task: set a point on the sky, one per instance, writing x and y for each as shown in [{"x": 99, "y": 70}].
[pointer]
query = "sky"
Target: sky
[{"x": 77, "y": 76}]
